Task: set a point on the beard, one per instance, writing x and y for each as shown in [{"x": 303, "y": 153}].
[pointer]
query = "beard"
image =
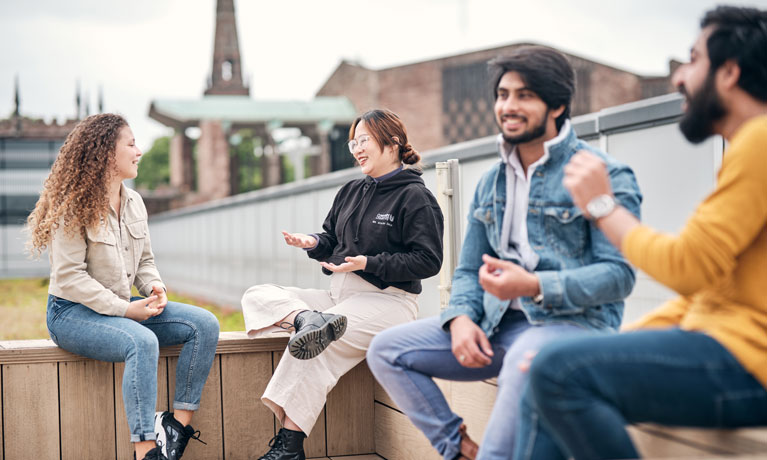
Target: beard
[
  {"x": 704, "y": 108},
  {"x": 531, "y": 134}
]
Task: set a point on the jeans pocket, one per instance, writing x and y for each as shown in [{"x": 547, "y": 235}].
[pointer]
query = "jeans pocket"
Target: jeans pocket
[{"x": 57, "y": 306}]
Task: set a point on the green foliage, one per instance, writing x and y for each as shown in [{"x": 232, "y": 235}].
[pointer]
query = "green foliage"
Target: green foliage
[
  {"x": 288, "y": 169},
  {"x": 246, "y": 167},
  {"x": 154, "y": 167}
]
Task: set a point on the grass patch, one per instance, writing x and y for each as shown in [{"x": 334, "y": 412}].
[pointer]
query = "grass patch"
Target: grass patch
[{"x": 22, "y": 312}]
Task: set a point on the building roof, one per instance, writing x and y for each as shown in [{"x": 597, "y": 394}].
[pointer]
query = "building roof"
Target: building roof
[{"x": 245, "y": 110}]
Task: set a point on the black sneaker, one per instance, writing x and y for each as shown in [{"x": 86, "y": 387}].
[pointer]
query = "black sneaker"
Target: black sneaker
[
  {"x": 287, "y": 445},
  {"x": 314, "y": 332},
  {"x": 154, "y": 454},
  {"x": 172, "y": 437}
]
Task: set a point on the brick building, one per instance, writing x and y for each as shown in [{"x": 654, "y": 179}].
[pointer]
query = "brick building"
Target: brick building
[{"x": 448, "y": 100}]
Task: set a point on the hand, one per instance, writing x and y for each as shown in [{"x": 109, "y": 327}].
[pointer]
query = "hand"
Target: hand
[
  {"x": 162, "y": 298},
  {"x": 351, "y": 264},
  {"x": 470, "y": 345},
  {"x": 507, "y": 280},
  {"x": 586, "y": 178},
  {"x": 140, "y": 310},
  {"x": 299, "y": 240}
]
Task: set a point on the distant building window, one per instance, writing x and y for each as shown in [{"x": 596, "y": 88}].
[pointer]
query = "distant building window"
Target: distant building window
[{"x": 226, "y": 70}]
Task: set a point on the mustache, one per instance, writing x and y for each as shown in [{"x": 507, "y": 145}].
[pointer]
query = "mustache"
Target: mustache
[{"x": 519, "y": 117}]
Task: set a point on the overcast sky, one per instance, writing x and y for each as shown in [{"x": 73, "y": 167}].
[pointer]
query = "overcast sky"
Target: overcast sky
[{"x": 141, "y": 50}]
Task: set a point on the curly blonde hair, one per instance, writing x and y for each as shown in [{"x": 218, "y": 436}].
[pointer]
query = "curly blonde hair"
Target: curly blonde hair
[{"x": 75, "y": 194}]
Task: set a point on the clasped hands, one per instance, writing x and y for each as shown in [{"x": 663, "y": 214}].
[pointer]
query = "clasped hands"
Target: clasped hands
[
  {"x": 143, "y": 309},
  {"x": 303, "y": 241}
]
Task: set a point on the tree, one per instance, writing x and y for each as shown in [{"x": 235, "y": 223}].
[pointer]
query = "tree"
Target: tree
[{"x": 154, "y": 167}]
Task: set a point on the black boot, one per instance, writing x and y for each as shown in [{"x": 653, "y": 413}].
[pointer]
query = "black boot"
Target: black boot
[
  {"x": 287, "y": 445},
  {"x": 314, "y": 332}
]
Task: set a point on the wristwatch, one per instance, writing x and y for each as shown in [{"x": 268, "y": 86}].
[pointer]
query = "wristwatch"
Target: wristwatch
[{"x": 600, "y": 206}]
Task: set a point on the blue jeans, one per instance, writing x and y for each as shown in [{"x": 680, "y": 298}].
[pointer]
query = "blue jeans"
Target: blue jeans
[
  {"x": 583, "y": 391},
  {"x": 405, "y": 358},
  {"x": 80, "y": 330}
]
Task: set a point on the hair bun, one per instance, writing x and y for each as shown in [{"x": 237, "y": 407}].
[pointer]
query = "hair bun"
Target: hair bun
[{"x": 409, "y": 155}]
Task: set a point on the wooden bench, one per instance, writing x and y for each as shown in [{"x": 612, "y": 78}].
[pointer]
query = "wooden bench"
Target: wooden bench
[
  {"x": 57, "y": 405},
  {"x": 398, "y": 439},
  {"x": 63, "y": 406}
]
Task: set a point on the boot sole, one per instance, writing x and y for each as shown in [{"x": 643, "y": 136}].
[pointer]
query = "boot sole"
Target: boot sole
[{"x": 308, "y": 344}]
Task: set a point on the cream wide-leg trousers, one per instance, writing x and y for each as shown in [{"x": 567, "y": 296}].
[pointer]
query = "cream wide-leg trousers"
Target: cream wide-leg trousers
[{"x": 298, "y": 389}]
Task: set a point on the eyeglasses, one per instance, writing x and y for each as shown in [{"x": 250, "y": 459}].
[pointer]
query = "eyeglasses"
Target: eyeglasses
[{"x": 361, "y": 142}]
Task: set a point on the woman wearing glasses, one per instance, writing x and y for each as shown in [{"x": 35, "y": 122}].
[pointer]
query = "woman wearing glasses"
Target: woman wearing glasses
[{"x": 382, "y": 236}]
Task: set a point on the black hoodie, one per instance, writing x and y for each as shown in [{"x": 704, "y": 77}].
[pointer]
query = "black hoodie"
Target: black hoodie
[{"x": 396, "y": 223}]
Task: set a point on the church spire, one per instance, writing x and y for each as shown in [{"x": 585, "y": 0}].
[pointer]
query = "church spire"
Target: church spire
[
  {"x": 226, "y": 75},
  {"x": 17, "y": 98}
]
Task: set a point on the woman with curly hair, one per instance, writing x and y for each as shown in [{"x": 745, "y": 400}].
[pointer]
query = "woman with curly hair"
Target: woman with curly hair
[
  {"x": 95, "y": 230},
  {"x": 382, "y": 236}
]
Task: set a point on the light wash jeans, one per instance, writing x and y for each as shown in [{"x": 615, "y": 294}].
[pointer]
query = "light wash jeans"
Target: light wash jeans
[
  {"x": 80, "y": 330},
  {"x": 405, "y": 358},
  {"x": 584, "y": 390}
]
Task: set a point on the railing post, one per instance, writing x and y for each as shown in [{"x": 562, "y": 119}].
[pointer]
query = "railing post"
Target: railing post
[{"x": 449, "y": 199}]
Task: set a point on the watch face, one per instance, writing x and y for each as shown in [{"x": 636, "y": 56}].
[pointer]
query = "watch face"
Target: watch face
[{"x": 600, "y": 206}]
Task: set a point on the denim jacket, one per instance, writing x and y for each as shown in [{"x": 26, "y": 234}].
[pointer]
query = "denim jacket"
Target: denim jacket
[{"x": 583, "y": 277}]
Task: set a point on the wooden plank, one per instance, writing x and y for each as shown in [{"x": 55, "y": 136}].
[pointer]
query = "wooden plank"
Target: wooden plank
[
  {"x": 87, "y": 409},
  {"x": 398, "y": 439},
  {"x": 208, "y": 418},
  {"x": 358, "y": 457},
  {"x": 314, "y": 445},
  {"x": 45, "y": 351},
  {"x": 124, "y": 446},
  {"x": 2, "y": 454},
  {"x": 248, "y": 424},
  {"x": 652, "y": 445},
  {"x": 350, "y": 414},
  {"x": 724, "y": 441},
  {"x": 31, "y": 410},
  {"x": 660, "y": 440},
  {"x": 474, "y": 402}
]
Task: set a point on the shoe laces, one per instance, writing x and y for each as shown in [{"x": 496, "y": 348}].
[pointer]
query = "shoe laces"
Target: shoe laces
[
  {"x": 275, "y": 444},
  {"x": 184, "y": 440}
]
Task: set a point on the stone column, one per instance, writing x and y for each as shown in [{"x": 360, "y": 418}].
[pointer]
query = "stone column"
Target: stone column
[
  {"x": 181, "y": 163},
  {"x": 212, "y": 161},
  {"x": 271, "y": 169}
]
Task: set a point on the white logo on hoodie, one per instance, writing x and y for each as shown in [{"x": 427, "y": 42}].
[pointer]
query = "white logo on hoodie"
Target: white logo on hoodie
[{"x": 384, "y": 219}]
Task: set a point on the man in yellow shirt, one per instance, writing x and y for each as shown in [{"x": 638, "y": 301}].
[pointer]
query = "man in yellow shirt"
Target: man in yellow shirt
[{"x": 701, "y": 359}]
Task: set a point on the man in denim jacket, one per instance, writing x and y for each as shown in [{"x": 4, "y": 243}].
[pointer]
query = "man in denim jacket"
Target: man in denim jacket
[{"x": 533, "y": 267}]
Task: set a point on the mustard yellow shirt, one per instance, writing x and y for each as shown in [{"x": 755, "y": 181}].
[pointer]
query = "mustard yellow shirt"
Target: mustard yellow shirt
[{"x": 718, "y": 263}]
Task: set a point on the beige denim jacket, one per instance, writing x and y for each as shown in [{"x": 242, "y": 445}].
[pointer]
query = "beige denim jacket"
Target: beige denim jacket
[{"x": 98, "y": 269}]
